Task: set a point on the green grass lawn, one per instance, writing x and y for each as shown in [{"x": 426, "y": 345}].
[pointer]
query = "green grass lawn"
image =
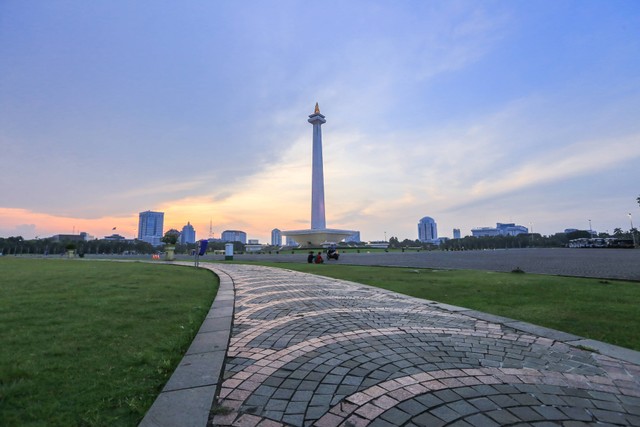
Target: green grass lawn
[
  {"x": 91, "y": 342},
  {"x": 604, "y": 310}
]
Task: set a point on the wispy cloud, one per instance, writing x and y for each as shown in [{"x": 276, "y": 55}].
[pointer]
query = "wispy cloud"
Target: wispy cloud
[{"x": 577, "y": 159}]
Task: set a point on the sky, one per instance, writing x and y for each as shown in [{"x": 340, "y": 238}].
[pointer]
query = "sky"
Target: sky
[{"x": 470, "y": 112}]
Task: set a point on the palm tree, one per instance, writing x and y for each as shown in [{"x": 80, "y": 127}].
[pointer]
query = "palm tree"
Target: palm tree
[{"x": 617, "y": 231}]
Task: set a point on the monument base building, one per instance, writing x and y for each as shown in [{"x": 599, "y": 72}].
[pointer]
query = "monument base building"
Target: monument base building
[{"x": 317, "y": 238}]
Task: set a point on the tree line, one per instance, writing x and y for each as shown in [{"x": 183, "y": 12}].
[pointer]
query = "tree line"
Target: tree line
[
  {"x": 17, "y": 245},
  {"x": 525, "y": 240}
]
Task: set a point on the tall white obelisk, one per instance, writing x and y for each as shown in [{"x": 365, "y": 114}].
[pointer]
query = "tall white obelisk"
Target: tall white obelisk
[
  {"x": 318, "y": 221},
  {"x": 318, "y": 234}
]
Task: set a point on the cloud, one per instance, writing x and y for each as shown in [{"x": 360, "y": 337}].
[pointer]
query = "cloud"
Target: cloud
[
  {"x": 45, "y": 225},
  {"x": 577, "y": 159}
]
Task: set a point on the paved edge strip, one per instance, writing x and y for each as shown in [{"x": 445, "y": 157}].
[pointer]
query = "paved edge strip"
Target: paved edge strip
[{"x": 187, "y": 397}]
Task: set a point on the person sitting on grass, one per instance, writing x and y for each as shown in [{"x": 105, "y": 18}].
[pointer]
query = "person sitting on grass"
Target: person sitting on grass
[
  {"x": 310, "y": 257},
  {"x": 319, "y": 259}
]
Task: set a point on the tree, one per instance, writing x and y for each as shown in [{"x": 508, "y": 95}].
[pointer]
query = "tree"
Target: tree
[
  {"x": 171, "y": 237},
  {"x": 407, "y": 243},
  {"x": 617, "y": 232}
]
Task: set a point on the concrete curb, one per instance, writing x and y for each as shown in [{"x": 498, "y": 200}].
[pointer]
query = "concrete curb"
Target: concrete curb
[{"x": 187, "y": 397}]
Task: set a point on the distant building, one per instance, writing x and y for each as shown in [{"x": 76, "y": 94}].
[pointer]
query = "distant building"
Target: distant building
[
  {"x": 234, "y": 236},
  {"x": 593, "y": 233},
  {"x": 354, "y": 238},
  {"x": 427, "y": 230},
  {"x": 276, "y": 237},
  {"x": 253, "y": 245},
  {"x": 69, "y": 237},
  {"x": 456, "y": 233},
  {"x": 508, "y": 229},
  {"x": 150, "y": 225},
  {"x": 484, "y": 232},
  {"x": 115, "y": 237},
  {"x": 188, "y": 234},
  {"x": 86, "y": 236},
  {"x": 290, "y": 241},
  {"x": 378, "y": 244}
]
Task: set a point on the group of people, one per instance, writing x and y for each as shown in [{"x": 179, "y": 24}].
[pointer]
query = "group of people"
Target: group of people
[
  {"x": 332, "y": 253},
  {"x": 315, "y": 259}
]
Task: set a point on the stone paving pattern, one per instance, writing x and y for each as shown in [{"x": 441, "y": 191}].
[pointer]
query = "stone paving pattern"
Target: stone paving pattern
[{"x": 307, "y": 350}]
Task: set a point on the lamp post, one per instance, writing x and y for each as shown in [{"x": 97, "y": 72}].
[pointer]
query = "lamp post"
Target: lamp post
[
  {"x": 590, "y": 230},
  {"x": 633, "y": 235}
]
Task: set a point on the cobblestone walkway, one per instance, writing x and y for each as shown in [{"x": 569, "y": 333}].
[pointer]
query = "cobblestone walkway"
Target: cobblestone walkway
[{"x": 307, "y": 350}]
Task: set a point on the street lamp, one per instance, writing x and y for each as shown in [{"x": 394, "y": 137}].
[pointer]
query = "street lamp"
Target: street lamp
[
  {"x": 633, "y": 235},
  {"x": 590, "y": 230}
]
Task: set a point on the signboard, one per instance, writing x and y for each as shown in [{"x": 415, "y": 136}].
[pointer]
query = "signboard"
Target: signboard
[{"x": 202, "y": 244}]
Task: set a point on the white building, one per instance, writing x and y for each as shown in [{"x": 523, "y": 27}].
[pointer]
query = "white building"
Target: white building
[
  {"x": 253, "y": 245},
  {"x": 234, "y": 236},
  {"x": 508, "y": 229}
]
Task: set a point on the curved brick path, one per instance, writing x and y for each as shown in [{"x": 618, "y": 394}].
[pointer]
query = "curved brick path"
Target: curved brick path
[{"x": 307, "y": 350}]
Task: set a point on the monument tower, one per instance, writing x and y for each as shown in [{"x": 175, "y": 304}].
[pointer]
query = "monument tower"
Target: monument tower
[
  {"x": 318, "y": 220},
  {"x": 318, "y": 234}
]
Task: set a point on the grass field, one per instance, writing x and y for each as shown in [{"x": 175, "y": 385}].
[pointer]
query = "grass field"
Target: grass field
[
  {"x": 90, "y": 342},
  {"x": 604, "y": 310}
]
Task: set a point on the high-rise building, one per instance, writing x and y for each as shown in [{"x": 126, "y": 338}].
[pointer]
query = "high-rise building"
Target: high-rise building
[
  {"x": 456, "y": 233},
  {"x": 276, "y": 237},
  {"x": 150, "y": 227},
  {"x": 234, "y": 236},
  {"x": 188, "y": 234},
  {"x": 427, "y": 230}
]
